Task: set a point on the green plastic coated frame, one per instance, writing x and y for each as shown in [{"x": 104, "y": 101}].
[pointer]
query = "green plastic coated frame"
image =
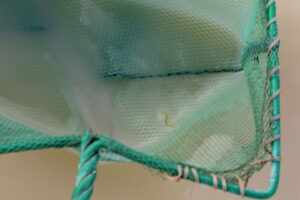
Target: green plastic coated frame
[
  {"x": 90, "y": 145},
  {"x": 84, "y": 189}
]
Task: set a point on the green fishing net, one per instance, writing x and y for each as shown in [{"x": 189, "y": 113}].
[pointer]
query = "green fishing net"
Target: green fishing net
[{"x": 181, "y": 81}]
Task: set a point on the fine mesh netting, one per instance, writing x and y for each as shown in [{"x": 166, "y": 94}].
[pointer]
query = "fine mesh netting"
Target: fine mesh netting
[{"x": 184, "y": 81}]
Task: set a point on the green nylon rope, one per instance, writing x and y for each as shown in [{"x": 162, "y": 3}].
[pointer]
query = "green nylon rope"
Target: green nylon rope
[{"x": 87, "y": 168}]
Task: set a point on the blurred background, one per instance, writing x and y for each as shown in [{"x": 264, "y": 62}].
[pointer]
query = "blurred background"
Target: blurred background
[{"x": 50, "y": 174}]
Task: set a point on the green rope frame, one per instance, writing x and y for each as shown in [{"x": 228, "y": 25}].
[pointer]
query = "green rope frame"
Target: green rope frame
[{"x": 90, "y": 145}]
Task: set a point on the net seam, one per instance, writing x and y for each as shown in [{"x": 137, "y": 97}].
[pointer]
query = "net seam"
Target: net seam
[{"x": 174, "y": 74}]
